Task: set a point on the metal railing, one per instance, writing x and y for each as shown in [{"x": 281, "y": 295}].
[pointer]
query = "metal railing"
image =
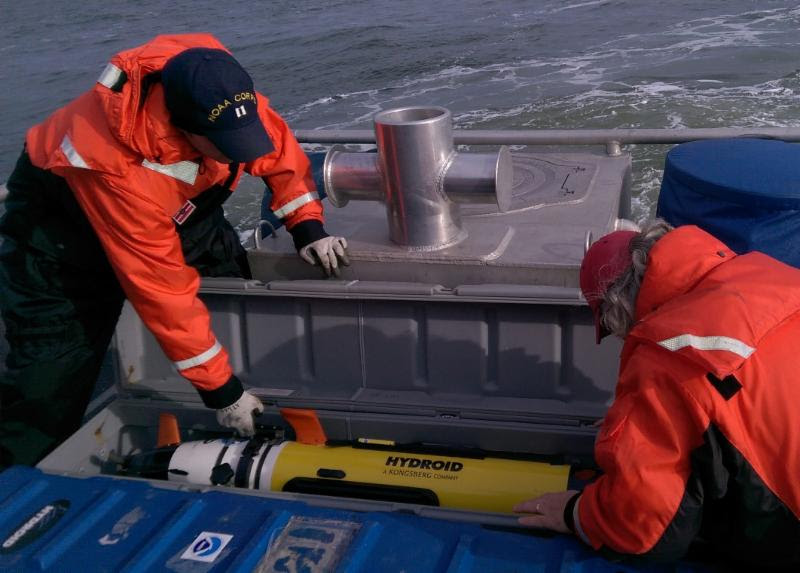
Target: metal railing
[{"x": 611, "y": 138}]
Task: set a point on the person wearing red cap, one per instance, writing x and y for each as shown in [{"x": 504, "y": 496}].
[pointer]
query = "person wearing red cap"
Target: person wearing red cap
[
  {"x": 702, "y": 441},
  {"x": 119, "y": 195}
]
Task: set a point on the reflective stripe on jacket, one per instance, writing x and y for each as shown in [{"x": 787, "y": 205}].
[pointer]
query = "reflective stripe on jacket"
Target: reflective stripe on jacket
[
  {"x": 132, "y": 172},
  {"x": 704, "y": 433}
]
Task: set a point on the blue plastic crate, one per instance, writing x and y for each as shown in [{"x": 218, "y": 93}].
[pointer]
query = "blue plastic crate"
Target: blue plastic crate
[{"x": 56, "y": 523}]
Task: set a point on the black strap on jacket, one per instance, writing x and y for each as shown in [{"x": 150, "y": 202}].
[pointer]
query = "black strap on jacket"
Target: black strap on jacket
[{"x": 727, "y": 387}]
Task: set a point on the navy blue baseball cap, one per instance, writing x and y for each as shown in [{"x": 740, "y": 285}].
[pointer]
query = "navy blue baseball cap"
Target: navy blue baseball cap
[{"x": 208, "y": 93}]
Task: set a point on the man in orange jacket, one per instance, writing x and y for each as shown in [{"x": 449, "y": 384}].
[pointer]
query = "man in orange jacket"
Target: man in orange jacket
[
  {"x": 119, "y": 195},
  {"x": 703, "y": 437}
]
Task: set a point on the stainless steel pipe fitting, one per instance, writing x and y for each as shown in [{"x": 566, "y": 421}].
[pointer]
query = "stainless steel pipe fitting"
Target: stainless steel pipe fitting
[{"x": 420, "y": 177}]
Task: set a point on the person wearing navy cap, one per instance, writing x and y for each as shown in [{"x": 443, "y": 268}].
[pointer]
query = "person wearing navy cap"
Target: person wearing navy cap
[
  {"x": 209, "y": 94},
  {"x": 702, "y": 442},
  {"x": 119, "y": 195}
]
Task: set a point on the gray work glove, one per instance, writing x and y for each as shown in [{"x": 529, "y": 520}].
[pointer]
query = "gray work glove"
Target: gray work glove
[
  {"x": 328, "y": 252},
  {"x": 239, "y": 415}
]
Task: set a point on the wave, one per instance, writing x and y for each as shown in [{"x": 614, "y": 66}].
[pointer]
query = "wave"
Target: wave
[
  {"x": 690, "y": 55},
  {"x": 576, "y": 6}
]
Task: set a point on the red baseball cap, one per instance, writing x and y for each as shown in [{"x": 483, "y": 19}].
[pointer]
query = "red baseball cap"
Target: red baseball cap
[{"x": 603, "y": 263}]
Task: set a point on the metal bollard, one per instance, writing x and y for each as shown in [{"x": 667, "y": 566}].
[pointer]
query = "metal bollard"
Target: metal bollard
[{"x": 420, "y": 177}]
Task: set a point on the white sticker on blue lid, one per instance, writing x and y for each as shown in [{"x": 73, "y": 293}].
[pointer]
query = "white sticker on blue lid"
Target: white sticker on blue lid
[{"x": 207, "y": 546}]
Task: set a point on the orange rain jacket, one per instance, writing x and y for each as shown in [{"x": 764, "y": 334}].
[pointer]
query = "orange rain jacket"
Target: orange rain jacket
[
  {"x": 132, "y": 171},
  {"x": 704, "y": 430}
]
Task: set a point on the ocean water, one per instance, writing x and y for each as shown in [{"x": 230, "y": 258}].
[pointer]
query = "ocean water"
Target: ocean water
[{"x": 495, "y": 64}]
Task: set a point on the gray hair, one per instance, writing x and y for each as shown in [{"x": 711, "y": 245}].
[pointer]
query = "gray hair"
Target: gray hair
[{"x": 619, "y": 303}]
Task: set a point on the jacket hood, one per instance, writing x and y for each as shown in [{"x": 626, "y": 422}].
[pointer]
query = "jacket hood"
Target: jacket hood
[
  {"x": 136, "y": 114},
  {"x": 676, "y": 263},
  {"x": 705, "y": 303}
]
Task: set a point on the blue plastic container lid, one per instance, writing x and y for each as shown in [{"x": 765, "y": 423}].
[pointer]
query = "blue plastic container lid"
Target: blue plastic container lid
[
  {"x": 52, "y": 523},
  {"x": 759, "y": 173}
]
